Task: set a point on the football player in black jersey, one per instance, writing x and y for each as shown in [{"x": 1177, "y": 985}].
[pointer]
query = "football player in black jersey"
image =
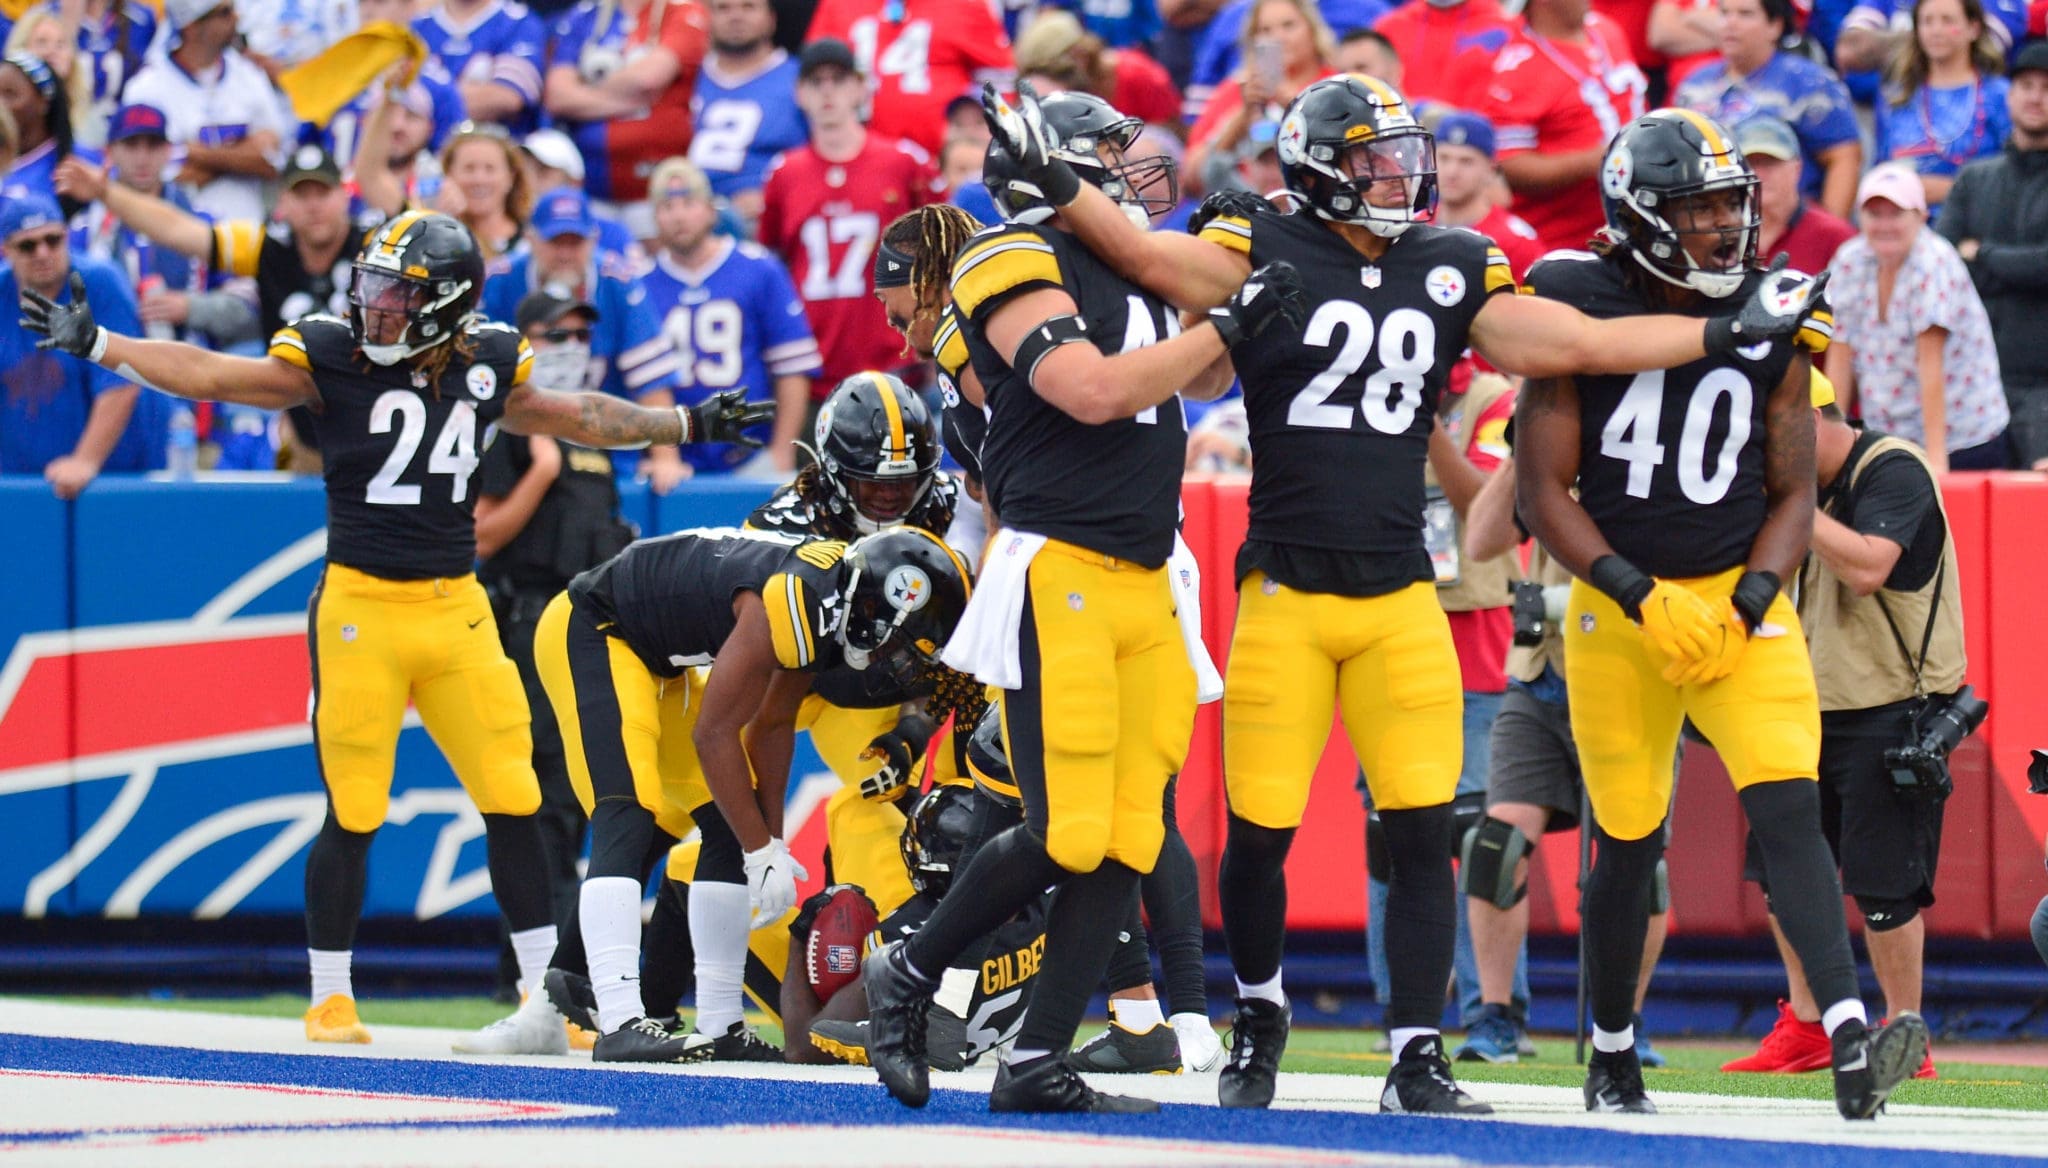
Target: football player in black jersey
[
  {"x": 1337, "y": 605},
  {"x": 403, "y": 392},
  {"x": 1076, "y": 612},
  {"x": 1694, "y": 500}
]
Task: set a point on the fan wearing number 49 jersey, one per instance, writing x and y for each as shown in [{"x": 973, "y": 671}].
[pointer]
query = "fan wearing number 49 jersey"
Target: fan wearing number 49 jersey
[
  {"x": 1336, "y": 601},
  {"x": 403, "y": 393},
  {"x": 1694, "y": 499}
]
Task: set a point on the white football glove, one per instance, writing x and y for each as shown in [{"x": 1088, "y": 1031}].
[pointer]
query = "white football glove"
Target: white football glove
[{"x": 772, "y": 875}]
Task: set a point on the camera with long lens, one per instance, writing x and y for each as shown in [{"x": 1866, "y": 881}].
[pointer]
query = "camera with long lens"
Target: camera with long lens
[
  {"x": 1919, "y": 769},
  {"x": 1532, "y": 622}
]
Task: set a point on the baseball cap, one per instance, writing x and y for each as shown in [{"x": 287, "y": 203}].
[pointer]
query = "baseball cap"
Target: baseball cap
[
  {"x": 1821, "y": 390},
  {"x": 1052, "y": 35},
  {"x": 556, "y": 151},
  {"x": 27, "y": 213},
  {"x": 1895, "y": 183},
  {"x": 137, "y": 121},
  {"x": 677, "y": 178},
  {"x": 1459, "y": 128},
  {"x": 310, "y": 163},
  {"x": 2034, "y": 56},
  {"x": 1768, "y": 136},
  {"x": 826, "y": 54},
  {"x": 185, "y": 12},
  {"x": 546, "y": 307},
  {"x": 564, "y": 211}
]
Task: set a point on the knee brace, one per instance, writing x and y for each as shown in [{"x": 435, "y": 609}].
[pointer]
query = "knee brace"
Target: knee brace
[
  {"x": 1883, "y": 914},
  {"x": 1660, "y": 888},
  {"x": 1376, "y": 865},
  {"x": 1487, "y": 856}
]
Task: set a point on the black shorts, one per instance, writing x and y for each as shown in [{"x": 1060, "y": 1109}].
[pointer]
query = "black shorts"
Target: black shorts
[
  {"x": 1886, "y": 846},
  {"x": 1534, "y": 758}
]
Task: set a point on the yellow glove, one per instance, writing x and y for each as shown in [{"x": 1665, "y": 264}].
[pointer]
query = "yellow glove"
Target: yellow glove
[
  {"x": 1730, "y": 641},
  {"x": 1679, "y": 623}
]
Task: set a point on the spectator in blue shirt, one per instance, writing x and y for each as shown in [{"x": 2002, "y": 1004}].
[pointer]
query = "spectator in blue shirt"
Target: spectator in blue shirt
[
  {"x": 1945, "y": 105},
  {"x": 1756, "y": 75},
  {"x": 42, "y": 119},
  {"x": 64, "y": 418}
]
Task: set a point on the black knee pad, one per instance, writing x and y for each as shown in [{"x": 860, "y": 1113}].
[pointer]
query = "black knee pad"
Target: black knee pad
[
  {"x": 1466, "y": 812},
  {"x": 620, "y": 833},
  {"x": 1487, "y": 857},
  {"x": 720, "y": 859},
  {"x": 1376, "y": 862},
  {"x": 1883, "y": 914}
]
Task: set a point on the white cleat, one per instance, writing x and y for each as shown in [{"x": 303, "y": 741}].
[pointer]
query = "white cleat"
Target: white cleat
[
  {"x": 1200, "y": 1049},
  {"x": 534, "y": 1028}
]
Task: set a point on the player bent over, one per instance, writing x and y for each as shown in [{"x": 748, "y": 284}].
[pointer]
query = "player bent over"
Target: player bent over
[
  {"x": 1695, "y": 500},
  {"x": 403, "y": 392}
]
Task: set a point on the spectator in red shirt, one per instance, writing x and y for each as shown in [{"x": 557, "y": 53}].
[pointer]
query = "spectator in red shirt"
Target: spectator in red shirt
[
  {"x": 1803, "y": 231},
  {"x": 1445, "y": 47},
  {"x": 920, "y": 55},
  {"x": 1467, "y": 179},
  {"x": 1057, "y": 53},
  {"x": 823, "y": 209},
  {"x": 1286, "y": 48},
  {"x": 1564, "y": 85}
]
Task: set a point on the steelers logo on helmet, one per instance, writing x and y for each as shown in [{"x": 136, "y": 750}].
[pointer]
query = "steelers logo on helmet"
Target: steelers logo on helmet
[
  {"x": 1093, "y": 137},
  {"x": 1351, "y": 149},
  {"x": 907, "y": 587},
  {"x": 413, "y": 286},
  {"x": 1681, "y": 201},
  {"x": 878, "y": 448},
  {"x": 904, "y": 594}
]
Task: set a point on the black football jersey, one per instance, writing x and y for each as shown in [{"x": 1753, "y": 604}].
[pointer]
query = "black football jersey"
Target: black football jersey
[
  {"x": 400, "y": 454},
  {"x": 1113, "y": 488},
  {"x": 962, "y": 424},
  {"x": 823, "y": 514},
  {"x": 1340, "y": 411},
  {"x": 1671, "y": 461},
  {"x": 286, "y": 289},
  {"x": 1006, "y": 967},
  {"x": 670, "y": 598}
]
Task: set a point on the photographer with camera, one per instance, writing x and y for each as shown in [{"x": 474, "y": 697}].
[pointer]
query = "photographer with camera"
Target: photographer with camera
[{"x": 1880, "y": 604}]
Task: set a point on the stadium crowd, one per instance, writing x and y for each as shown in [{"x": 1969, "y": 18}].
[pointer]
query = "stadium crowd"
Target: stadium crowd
[{"x": 685, "y": 205}]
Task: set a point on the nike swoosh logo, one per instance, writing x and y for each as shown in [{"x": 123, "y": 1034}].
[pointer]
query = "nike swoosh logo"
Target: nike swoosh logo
[
  {"x": 476, "y": 622},
  {"x": 1862, "y": 1061}
]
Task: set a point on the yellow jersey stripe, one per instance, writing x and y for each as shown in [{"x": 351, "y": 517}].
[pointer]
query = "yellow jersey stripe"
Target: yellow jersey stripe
[
  {"x": 524, "y": 368},
  {"x": 894, "y": 409},
  {"x": 949, "y": 347},
  {"x": 288, "y": 346},
  {"x": 782, "y": 632},
  {"x": 1229, "y": 231},
  {"x": 999, "y": 265},
  {"x": 237, "y": 245},
  {"x": 1499, "y": 272}
]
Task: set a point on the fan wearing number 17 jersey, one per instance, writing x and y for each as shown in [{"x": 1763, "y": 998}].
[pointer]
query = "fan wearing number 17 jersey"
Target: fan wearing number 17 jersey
[
  {"x": 402, "y": 393},
  {"x": 1694, "y": 499},
  {"x": 1337, "y": 607}
]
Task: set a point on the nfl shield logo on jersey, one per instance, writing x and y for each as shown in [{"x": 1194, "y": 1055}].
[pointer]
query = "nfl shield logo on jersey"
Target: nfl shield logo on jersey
[{"x": 1369, "y": 275}]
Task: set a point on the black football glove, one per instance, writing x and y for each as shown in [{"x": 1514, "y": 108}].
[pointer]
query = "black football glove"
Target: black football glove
[
  {"x": 1228, "y": 205},
  {"x": 1020, "y": 131},
  {"x": 895, "y": 755},
  {"x": 724, "y": 417},
  {"x": 1779, "y": 309},
  {"x": 68, "y": 328},
  {"x": 807, "y": 914},
  {"x": 1272, "y": 293}
]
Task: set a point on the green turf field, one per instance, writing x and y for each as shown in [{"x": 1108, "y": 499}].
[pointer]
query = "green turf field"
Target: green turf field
[{"x": 1694, "y": 1064}]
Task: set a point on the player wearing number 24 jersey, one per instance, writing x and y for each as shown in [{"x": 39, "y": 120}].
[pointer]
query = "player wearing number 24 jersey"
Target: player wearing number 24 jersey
[
  {"x": 403, "y": 393},
  {"x": 1337, "y": 605}
]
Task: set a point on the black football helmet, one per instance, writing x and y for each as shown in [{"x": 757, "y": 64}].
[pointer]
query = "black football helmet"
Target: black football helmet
[
  {"x": 423, "y": 268},
  {"x": 874, "y": 429},
  {"x": 904, "y": 594},
  {"x": 1345, "y": 134},
  {"x": 1654, "y": 185},
  {"x": 1093, "y": 137},
  {"x": 988, "y": 759},
  {"x": 934, "y": 834}
]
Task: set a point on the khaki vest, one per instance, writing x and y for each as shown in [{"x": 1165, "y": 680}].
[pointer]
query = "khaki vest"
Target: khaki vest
[
  {"x": 1526, "y": 662},
  {"x": 1856, "y": 660},
  {"x": 1481, "y": 583}
]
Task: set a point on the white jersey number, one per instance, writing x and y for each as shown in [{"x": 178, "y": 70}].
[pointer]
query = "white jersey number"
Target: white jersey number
[
  {"x": 1139, "y": 331},
  {"x": 724, "y": 131},
  {"x": 1630, "y": 435},
  {"x": 907, "y": 58},
  {"x": 708, "y": 338},
  {"x": 849, "y": 281},
  {"x": 454, "y": 452},
  {"x": 1393, "y": 392}
]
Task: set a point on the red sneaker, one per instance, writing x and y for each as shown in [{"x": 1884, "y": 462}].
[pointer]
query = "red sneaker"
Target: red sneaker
[
  {"x": 1926, "y": 1070},
  {"x": 1792, "y": 1047}
]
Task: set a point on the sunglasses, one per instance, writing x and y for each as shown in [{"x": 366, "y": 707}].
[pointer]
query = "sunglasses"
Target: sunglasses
[
  {"x": 562, "y": 336},
  {"x": 29, "y": 247}
]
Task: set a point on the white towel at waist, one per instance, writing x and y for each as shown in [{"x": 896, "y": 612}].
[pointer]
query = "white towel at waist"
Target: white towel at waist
[
  {"x": 984, "y": 643},
  {"x": 1187, "y": 596}
]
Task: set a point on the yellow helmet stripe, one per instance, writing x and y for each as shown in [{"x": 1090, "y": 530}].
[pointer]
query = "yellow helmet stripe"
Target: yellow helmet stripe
[
  {"x": 395, "y": 230},
  {"x": 1716, "y": 141},
  {"x": 898, "y": 444},
  {"x": 1387, "y": 94}
]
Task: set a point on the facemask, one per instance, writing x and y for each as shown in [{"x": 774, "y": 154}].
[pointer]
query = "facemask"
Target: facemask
[{"x": 561, "y": 369}]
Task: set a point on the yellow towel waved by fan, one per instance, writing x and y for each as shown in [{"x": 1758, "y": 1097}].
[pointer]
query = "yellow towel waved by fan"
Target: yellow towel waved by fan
[{"x": 320, "y": 87}]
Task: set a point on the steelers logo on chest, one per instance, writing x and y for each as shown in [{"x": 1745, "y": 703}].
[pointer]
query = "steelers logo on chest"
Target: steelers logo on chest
[
  {"x": 482, "y": 381},
  {"x": 1445, "y": 284}
]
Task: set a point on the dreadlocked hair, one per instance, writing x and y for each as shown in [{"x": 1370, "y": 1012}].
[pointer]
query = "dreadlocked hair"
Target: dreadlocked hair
[
  {"x": 957, "y": 694},
  {"x": 439, "y": 357},
  {"x": 931, "y": 236}
]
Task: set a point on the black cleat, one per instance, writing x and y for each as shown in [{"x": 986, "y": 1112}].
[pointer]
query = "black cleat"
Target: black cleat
[
  {"x": 945, "y": 1040},
  {"x": 1421, "y": 1083},
  {"x": 739, "y": 1044},
  {"x": 1614, "y": 1083},
  {"x": 1049, "y": 1084},
  {"x": 843, "y": 1040},
  {"x": 899, "y": 1003},
  {"x": 1258, "y": 1035},
  {"x": 644, "y": 1040},
  {"x": 572, "y": 995},
  {"x": 1869, "y": 1064},
  {"x": 1119, "y": 1051}
]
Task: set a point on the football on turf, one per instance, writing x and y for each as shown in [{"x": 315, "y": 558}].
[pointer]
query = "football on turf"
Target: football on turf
[{"x": 832, "y": 954}]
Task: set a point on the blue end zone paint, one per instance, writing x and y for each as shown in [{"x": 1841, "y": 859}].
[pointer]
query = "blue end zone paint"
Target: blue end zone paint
[{"x": 666, "y": 1101}]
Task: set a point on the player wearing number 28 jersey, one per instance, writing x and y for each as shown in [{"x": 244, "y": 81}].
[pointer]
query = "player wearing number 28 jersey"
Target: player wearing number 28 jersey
[
  {"x": 1337, "y": 608},
  {"x": 403, "y": 393},
  {"x": 1694, "y": 499}
]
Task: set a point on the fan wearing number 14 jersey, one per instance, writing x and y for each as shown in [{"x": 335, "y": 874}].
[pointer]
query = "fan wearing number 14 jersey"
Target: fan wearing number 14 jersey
[
  {"x": 1694, "y": 499},
  {"x": 402, "y": 393},
  {"x": 1337, "y": 607}
]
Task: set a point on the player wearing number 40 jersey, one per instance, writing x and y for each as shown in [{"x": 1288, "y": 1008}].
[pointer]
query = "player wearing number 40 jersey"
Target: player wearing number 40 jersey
[
  {"x": 1694, "y": 499},
  {"x": 403, "y": 392},
  {"x": 1338, "y": 606}
]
